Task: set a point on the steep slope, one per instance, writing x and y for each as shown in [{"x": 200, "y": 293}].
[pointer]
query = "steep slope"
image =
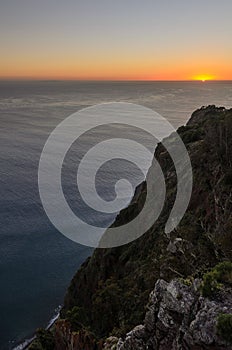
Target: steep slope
[{"x": 109, "y": 293}]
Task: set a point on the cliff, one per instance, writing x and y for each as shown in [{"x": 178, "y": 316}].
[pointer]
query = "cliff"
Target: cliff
[{"x": 109, "y": 294}]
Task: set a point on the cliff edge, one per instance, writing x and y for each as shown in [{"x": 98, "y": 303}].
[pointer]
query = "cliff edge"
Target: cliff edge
[{"x": 109, "y": 294}]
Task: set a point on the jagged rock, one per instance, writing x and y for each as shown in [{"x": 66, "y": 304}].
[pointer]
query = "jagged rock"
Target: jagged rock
[
  {"x": 134, "y": 340},
  {"x": 179, "y": 318}
]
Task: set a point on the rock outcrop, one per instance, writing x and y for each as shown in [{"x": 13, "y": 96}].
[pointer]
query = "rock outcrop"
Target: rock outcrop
[{"x": 179, "y": 318}]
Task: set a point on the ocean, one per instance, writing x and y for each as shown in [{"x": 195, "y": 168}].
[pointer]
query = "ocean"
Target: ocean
[{"x": 36, "y": 261}]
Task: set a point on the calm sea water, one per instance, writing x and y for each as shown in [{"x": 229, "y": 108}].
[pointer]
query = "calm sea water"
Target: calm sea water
[{"x": 36, "y": 261}]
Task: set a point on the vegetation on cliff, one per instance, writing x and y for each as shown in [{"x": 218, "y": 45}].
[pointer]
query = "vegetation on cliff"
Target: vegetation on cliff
[
  {"x": 109, "y": 293},
  {"x": 224, "y": 327},
  {"x": 214, "y": 280}
]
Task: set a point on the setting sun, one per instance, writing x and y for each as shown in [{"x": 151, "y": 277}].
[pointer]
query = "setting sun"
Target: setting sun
[{"x": 203, "y": 77}]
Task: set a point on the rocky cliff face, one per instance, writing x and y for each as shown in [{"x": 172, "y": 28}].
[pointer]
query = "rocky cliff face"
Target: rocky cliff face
[
  {"x": 178, "y": 317},
  {"x": 109, "y": 293}
]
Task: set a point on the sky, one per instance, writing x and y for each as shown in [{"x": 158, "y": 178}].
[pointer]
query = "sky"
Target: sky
[{"x": 116, "y": 39}]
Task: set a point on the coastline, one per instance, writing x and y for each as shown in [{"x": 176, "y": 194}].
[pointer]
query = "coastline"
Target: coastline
[{"x": 24, "y": 344}]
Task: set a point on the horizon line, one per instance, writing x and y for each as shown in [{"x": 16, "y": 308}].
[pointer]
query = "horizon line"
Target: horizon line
[{"x": 113, "y": 80}]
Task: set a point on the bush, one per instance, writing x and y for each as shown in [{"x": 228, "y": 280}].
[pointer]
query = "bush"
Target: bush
[
  {"x": 214, "y": 279},
  {"x": 192, "y": 135},
  {"x": 224, "y": 327},
  {"x": 76, "y": 317},
  {"x": 225, "y": 272},
  {"x": 35, "y": 345},
  {"x": 44, "y": 340},
  {"x": 187, "y": 281},
  {"x": 107, "y": 303}
]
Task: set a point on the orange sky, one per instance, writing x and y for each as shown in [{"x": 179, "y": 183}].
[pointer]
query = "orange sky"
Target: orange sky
[
  {"x": 128, "y": 69},
  {"x": 110, "y": 40}
]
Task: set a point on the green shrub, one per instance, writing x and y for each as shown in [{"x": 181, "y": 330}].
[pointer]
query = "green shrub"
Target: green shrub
[
  {"x": 107, "y": 303},
  {"x": 187, "y": 281},
  {"x": 76, "y": 317},
  {"x": 224, "y": 327},
  {"x": 225, "y": 272},
  {"x": 214, "y": 279},
  {"x": 192, "y": 135},
  {"x": 35, "y": 345},
  {"x": 44, "y": 340}
]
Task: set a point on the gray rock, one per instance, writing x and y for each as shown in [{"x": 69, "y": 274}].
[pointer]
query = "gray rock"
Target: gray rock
[
  {"x": 179, "y": 318},
  {"x": 135, "y": 339},
  {"x": 111, "y": 343}
]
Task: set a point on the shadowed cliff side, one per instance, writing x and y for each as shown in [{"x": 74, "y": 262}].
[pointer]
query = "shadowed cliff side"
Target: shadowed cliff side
[{"x": 109, "y": 293}]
